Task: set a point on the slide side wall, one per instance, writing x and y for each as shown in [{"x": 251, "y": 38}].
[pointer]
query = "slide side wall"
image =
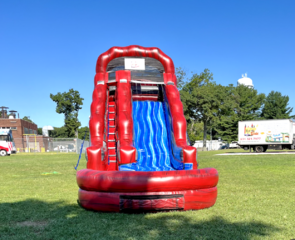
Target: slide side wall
[{"x": 179, "y": 126}]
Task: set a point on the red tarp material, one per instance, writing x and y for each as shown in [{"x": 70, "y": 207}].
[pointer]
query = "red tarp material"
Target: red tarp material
[
  {"x": 148, "y": 201},
  {"x": 160, "y": 181}
]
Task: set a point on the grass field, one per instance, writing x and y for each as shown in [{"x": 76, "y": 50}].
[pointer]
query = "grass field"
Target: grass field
[{"x": 256, "y": 200}]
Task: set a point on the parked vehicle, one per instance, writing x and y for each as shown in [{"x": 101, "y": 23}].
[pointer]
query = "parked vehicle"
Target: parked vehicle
[
  {"x": 233, "y": 144},
  {"x": 211, "y": 145},
  {"x": 7, "y": 145},
  {"x": 261, "y": 135}
]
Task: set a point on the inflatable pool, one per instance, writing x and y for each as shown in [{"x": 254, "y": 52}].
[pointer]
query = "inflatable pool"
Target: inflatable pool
[{"x": 140, "y": 159}]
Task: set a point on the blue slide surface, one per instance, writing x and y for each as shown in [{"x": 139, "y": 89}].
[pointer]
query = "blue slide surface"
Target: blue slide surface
[{"x": 150, "y": 138}]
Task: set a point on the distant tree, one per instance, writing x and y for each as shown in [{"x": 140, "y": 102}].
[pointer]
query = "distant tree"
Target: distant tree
[
  {"x": 40, "y": 131},
  {"x": 276, "y": 107},
  {"x": 58, "y": 132},
  {"x": 69, "y": 103},
  {"x": 195, "y": 131},
  {"x": 204, "y": 101},
  {"x": 182, "y": 77},
  {"x": 82, "y": 131},
  {"x": 250, "y": 103},
  {"x": 55, "y": 133},
  {"x": 27, "y": 119},
  {"x": 227, "y": 127},
  {"x": 246, "y": 106}
]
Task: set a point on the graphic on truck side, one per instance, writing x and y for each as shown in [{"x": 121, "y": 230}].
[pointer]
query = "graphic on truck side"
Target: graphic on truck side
[
  {"x": 250, "y": 130},
  {"x": 279, "y": 137},
  {"x": 272, "y": 132}
]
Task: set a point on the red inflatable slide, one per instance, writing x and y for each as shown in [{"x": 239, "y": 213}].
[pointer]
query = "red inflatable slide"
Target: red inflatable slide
[{"x": 140, "y": 159}]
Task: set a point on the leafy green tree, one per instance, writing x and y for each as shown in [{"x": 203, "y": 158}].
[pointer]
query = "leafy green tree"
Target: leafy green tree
[
  {"x": 58, "y": 132},
  {"x": 61, "y": 132},
  {"x": 182, "y": 77},
  {"x": 82, "y": 131},
  {"x": 27, "y": 119},
  {"x": 227, "y": 127},
  {"x": 246, "y": 106},
  {"x": 40, "y": 131},
  {"x": 195, "y": 131},
  {"x": 69, "y": 103},
  {"x": 276, "y": 107},
  {"x": 203, "y": 100},
  {"x": 250, "y": 103}
]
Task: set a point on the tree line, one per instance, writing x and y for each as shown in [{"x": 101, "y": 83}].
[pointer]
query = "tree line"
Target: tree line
[
  {"x": 208, "y": 107},
  {"x": 211, "y": 106},
  {"x": 61, "y": 132}
]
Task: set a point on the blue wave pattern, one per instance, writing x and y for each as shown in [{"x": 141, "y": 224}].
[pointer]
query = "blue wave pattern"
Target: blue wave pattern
[
  {"x": 150, "y": 137},
  {"x": 175, "y": 151}
]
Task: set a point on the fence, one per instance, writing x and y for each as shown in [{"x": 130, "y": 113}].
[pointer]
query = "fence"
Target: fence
[
  {"x": 29, "y": 144},
  {"x": 79, "y": 144},
  {"x": 210, "y": 145}
]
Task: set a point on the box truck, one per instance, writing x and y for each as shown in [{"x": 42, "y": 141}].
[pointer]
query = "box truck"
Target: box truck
[
  {"x": 261, "y": 135},
  {"x": 7, "y": 145}
]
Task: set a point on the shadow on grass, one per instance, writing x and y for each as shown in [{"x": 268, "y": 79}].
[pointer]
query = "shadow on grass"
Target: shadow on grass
[{"x": 33, "y": 219}]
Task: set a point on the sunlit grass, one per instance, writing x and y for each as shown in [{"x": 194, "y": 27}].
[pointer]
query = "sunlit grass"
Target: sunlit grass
[{"x": 256, "y": 200}]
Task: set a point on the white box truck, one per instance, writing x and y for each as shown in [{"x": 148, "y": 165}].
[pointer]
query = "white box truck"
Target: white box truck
[
  {"x": 261, "y": 135},
  {"x": 7, "y": 145}
]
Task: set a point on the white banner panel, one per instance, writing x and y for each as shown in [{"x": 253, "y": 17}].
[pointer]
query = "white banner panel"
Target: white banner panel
[{"x": 134, "y": 63}]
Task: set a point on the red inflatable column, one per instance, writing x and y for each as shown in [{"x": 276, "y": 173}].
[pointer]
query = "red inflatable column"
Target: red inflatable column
[
  {"x": 96, "y": 124},
  {"x": 126, "y": 151},
  {"x": 179, "y": 122}
]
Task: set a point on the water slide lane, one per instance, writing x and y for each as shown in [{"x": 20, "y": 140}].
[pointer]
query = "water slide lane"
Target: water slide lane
[
  {"x": 155, "y": 137},
  {"x": 144, "y": 145},
  {"x": 162, "y": 139},
  {"x": 139, "y": 136},
  {"x": 174, "y": 151},
  {"x": 150, "y": 136},
  {"x": 137, "y": 133}
]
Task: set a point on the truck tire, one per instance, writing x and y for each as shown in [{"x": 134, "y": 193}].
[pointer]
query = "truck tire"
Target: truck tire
[
  {"x": 292, "y": 147},
  {"x": 3, "y": 153},
  {"x": 259, "y": 149}
]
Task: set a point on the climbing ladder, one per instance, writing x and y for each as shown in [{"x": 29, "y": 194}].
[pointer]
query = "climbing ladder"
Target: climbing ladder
[{"x": 111, "y": 144}]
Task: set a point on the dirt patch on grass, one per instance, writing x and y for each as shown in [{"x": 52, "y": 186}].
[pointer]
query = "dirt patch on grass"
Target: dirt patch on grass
[{"x": 39, "y": 224}]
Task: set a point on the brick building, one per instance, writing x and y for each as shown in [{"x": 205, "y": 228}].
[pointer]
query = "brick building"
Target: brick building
[
  {"x": 19, "y": 127},
  {"x": 22, "y": 141}
]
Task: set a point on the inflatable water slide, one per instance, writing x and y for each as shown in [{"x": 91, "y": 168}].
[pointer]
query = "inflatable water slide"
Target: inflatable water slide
[{"x": 140, "y": 159}]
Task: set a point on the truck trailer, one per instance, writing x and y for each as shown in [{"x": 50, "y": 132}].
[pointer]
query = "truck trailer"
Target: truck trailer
[{"x": 261, "y": 135}]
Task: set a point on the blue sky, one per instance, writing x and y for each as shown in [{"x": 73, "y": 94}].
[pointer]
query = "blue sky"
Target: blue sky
[{"x": 52, "y": 46}]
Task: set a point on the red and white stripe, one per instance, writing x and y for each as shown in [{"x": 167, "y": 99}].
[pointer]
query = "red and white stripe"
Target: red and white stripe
[
  {"x": 10, "y": 146},
  {"x": 7, "y": 147},
  {"x": 4, "y": 148}
]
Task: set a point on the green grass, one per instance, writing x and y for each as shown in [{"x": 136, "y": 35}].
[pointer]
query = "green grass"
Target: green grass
[{"x": 256, "y": 200}]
